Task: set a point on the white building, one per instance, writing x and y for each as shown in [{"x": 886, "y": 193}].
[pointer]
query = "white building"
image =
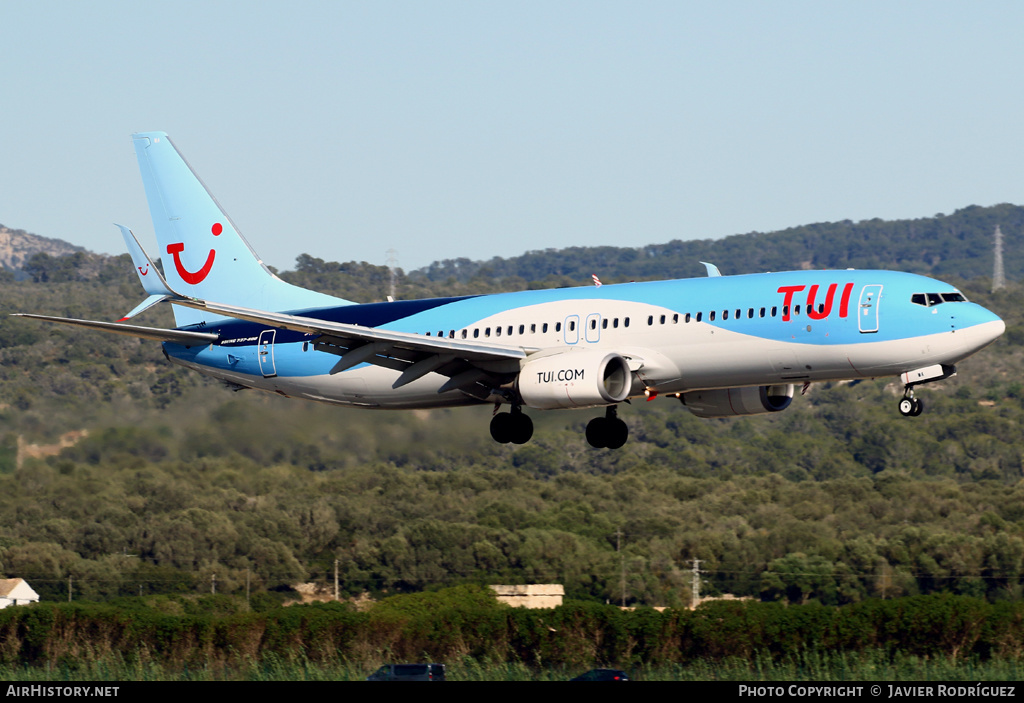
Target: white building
[
  {"x": 16, "y": 592},
  {"x": 536, "y": 595}
]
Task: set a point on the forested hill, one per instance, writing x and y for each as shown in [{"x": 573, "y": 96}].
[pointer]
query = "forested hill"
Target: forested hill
[
  {"x": 126, "y": 473},
  {"x": 959, "y": 244},
  {"x": 18, "y": 246},
  {"x": 956, "y": 246}
]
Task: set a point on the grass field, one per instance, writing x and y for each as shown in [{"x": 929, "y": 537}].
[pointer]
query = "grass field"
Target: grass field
[{"x": 812, "y": 666}]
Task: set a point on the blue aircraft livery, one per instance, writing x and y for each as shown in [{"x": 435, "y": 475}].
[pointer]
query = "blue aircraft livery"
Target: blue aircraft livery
[{"x": 722, "y": 345}]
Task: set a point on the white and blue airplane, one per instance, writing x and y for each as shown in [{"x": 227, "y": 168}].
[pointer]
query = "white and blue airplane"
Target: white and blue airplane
[{"x": 723, "y": 345}]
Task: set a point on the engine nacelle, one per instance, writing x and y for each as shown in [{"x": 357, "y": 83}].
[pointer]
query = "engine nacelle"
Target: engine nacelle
[
  {"x": 729, "y": 402},
  {"x": 575, "y": 379}
]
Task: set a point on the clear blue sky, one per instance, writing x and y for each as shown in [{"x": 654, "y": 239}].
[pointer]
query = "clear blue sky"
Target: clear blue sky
[{"x": 479, "y": 129}]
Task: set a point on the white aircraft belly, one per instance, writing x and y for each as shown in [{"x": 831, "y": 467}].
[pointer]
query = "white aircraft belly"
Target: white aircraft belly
[{"x": 366, "y": 387}]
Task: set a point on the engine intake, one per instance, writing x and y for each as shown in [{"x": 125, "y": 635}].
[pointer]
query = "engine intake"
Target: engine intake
[
  {"x": 729, "y": 402},
  {"x": 575, "y": 379}
]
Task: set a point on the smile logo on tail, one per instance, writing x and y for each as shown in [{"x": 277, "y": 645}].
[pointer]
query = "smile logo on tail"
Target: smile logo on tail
[{"x": 192, "y": 278}]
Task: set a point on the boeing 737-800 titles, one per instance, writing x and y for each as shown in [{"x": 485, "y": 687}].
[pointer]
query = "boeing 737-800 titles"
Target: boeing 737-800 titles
[{"x": 723, "y": 345}]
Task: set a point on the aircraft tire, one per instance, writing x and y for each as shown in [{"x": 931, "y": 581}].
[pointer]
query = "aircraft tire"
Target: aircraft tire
[
  {"x": 918, "y": 408},
  {"x": 597, "y": 432},
  {"x": 522, "y": 428},
  {"x": 618, "y": 433},
  {"x": 503, "y": 428},
  {"x": 907, "y": 407}
]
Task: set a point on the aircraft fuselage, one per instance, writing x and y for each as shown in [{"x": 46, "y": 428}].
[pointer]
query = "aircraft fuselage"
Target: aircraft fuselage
[{"x": 684, "y": 335}]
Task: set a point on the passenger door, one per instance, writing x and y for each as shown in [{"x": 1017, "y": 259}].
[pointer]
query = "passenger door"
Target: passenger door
[{"x": 867, "y": 317}]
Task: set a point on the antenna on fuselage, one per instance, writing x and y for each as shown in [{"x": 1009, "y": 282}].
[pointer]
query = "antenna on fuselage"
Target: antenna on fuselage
[{"x": 392, "y": 264}]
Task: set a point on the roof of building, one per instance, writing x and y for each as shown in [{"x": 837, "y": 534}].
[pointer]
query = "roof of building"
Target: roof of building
[{"x": 9, "y": 586}]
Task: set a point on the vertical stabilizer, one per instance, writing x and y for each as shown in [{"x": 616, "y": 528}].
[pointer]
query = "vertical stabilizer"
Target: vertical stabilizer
[{"x": 204, "y": 255}]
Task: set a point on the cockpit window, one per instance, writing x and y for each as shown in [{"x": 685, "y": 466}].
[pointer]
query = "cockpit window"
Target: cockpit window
[{"x": 930, "y": 299}]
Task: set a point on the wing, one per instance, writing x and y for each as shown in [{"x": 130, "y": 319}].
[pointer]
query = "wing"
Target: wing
[
  {"x": 473, "y": 367},
  {"x": 183, "y": 337}
]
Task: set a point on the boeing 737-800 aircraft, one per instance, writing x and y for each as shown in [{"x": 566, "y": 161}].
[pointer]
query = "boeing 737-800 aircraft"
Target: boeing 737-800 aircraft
[{"x": 723, "y": 345}]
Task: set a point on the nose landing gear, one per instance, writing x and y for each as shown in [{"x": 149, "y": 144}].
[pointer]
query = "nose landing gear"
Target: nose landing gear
[{"x": 909, "y": 405}]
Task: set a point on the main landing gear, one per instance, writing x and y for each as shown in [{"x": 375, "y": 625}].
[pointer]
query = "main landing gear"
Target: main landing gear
[
  {"x": 514, "y": 427},
  {"x": 909, "y": 405},
  {"x": 608, "y": 431}
]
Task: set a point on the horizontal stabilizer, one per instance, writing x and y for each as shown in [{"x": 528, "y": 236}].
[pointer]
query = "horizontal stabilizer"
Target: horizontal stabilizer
[{"x": 145, "y": 305}]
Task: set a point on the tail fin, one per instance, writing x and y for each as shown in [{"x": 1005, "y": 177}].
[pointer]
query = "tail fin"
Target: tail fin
[{"x": 208, "y": 257}]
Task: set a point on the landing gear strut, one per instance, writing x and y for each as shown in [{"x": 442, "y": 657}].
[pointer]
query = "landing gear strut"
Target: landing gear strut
[
  {"x": 909, "y": 405},
  {"x": 514, "y": 427},
  {"x": 608, "y": 431}
]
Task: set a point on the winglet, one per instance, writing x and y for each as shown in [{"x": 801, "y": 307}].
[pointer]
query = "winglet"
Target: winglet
[
  {"x": 149, "y": 275},
  {"x": 712, "y": 269}
]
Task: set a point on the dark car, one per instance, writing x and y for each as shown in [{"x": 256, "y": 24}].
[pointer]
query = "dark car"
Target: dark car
[
  {"x": 602, "y": 675},
  {"x": 408, "y": 672}
]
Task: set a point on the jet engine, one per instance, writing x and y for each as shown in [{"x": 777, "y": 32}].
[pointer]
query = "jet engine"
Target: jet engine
[
  {"x": 728, "y": 402},
  {"x": 575, "y": 379}
]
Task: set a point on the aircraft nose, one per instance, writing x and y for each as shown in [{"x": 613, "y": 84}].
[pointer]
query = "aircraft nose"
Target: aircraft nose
[
  {"x": 989, "y": 326},
  {"x": 997, "y": 329}
]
